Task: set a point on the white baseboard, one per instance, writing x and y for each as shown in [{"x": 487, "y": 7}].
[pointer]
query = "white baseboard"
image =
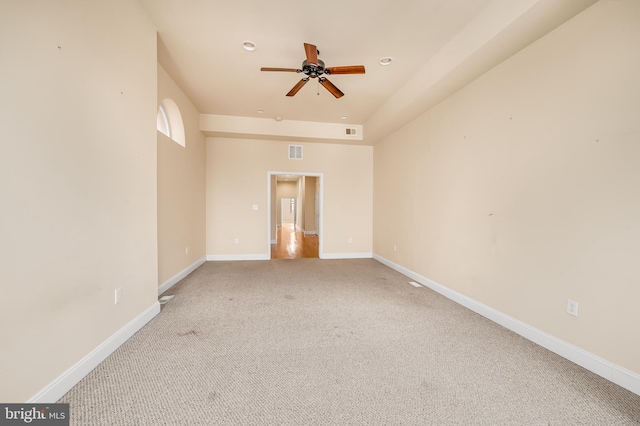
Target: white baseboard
[
  {"x": 220, "y": 257},
  {"x": 60, "y": 386},
  {"x": 626, "y": 379},
  {"x": 180, "y": 275},
  {"x": 311, "y": 232},
  {"x": 616, "y": 374},
  {"x": 367, "y": 255},
  {"x": 273, "y": 242}
]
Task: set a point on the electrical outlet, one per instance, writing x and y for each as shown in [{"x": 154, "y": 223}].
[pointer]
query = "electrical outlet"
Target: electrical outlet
[
  {"x": 572, "y": 307},
  {"x": 237, "y": 240},
  {"x": 395, "y": 248},
  {"x": 254, "y": 207},
  {"x": 118, "y": 295},
  {"x": 186, "y": 250},
  {"x": 350, "y": 240}
]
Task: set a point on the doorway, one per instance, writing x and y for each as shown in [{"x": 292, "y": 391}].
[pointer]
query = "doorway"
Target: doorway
[{"x": 294, "y": 215}]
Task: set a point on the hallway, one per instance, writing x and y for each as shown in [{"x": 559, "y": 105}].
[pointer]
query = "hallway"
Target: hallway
[{"x": 294, "y": 244}]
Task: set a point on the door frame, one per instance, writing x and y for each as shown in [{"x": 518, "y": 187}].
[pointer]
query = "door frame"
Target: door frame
[{"x": 320, "y": 229}]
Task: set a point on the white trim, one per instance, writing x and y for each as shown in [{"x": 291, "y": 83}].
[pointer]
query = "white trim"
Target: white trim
[
  {"x": 60, "y": 386},
  {"x": 626, "y": 379},
  {"x": 222, "y": 257},
  {"x": 365, "y": 255},
  {"x": 274, "y": 241},
  {"x": 311, "y": 232},
  {"x": 616, "y": 374},
  {"x": 180, "y": 275}
]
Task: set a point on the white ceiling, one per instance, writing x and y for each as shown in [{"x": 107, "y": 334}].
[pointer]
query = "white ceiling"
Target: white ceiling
[{"x": 437, "y": 46}]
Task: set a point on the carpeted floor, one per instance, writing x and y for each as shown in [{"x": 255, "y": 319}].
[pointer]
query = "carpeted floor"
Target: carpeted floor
[{"x": 333, "y": 342}]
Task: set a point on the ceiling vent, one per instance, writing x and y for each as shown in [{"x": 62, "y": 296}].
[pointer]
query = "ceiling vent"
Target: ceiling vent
[
  {"x": 351, "y": 131},
  {"x": 295, "y": 152}
]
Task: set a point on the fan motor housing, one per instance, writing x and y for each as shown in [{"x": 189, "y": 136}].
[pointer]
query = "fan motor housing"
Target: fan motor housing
[{"x": 313, "y": 70}]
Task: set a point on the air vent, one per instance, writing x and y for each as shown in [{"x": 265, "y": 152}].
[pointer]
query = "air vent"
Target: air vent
[
  {"x": 351, "y": 131},
  {"x": 295, "y": 152}
]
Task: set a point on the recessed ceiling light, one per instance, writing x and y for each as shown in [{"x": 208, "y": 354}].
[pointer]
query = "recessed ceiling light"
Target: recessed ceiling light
[
  {"x": 278, "y": 118},
  {"x": 344, "y": 117},
  {"x": 249, "y": 45},
  {"x": 386, "y": 61},
  {"x": 260, "y": 111}
]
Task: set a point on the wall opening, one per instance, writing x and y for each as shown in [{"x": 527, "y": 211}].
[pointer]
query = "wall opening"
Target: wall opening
[
  {"x": 169, "y": 121},
  {"x": 163, "y": 121},
  {"x": 313, "y": 225}
]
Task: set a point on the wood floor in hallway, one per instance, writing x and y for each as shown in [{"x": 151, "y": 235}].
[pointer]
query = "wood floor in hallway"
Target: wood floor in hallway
[{"x": 294, "y": 244}]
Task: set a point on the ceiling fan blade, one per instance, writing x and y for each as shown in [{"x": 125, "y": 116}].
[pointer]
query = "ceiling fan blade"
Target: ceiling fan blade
[
  {"x": 349, "y": 69},
  {"x": 331, "y": 88},
  {"x": 312, "y": 53},
  {"x": 280, "y": 69},
  {"x": 298, "y": 86}
]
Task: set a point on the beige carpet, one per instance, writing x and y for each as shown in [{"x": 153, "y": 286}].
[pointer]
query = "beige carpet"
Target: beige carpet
[{"x": 333, "y": 342}]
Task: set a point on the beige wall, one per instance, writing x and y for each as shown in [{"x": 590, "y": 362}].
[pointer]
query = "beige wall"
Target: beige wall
[
  {"x": 309, "y": 208},
  {"x": 78, "y": 182},
  {"x": 522, "y": 189},
  {"x": 181, "y": 188},
  {"x": 237, "y": 178},
  {"x": 300, "y": 203}
]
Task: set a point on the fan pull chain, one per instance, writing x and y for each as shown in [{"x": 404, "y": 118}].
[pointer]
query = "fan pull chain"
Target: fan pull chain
[{"x": 318, "y": 87}]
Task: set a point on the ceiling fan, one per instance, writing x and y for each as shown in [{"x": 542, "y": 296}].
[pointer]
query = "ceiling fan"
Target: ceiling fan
[{"x": 312, "y": 67}]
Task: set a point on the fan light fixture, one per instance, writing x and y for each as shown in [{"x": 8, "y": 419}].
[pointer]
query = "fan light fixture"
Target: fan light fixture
[{"x": 313, "y": 67}]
